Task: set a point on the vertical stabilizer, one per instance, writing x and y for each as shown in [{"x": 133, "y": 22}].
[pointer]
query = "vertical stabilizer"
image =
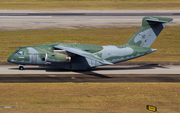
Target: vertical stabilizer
[{"x": 150, "y": 29}]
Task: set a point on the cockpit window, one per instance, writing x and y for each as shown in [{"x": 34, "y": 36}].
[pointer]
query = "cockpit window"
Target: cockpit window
[
  {"x": 20, "y": 52},
  {"x": 24, "y": 53},
  {"x": 16, "y": 51}
]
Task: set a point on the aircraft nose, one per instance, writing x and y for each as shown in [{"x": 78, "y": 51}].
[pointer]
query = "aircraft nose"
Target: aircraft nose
[{"x": 9, "y": 58}]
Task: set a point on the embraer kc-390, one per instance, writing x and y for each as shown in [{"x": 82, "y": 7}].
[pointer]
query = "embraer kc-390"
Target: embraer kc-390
[{"x": 72, "y": 56}]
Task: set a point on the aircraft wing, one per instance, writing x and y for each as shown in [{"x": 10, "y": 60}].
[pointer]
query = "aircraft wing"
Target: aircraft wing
[{"x": 83, "y": 54}]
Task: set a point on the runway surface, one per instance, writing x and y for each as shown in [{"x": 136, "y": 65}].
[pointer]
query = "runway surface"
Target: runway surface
[
  {"x": 77, "y": 19},
  {"x": 111, "y": 70},
  {"x": 31, "y": 74}
]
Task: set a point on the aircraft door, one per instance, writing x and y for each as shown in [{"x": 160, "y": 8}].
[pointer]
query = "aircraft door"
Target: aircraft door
[{"x": 34, "y": 59}]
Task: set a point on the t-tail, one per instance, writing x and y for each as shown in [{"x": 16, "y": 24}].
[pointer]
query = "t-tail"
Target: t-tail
[{"x": 150, "y": 29}]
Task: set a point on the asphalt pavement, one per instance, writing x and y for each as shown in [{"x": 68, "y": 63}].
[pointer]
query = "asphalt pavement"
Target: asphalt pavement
[
  {"x": 35, "y": 74},
  {"x": 78, "y": 19}
]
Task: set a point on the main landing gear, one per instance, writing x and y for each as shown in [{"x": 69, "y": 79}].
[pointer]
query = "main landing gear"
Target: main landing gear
[{"x": 21, "y": 67}]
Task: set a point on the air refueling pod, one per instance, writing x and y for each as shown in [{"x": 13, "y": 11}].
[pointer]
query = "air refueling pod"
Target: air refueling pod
[{"x": 57, "y": 57}]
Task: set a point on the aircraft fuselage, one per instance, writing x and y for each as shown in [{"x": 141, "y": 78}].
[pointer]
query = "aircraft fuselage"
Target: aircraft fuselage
[{"x": 37, "y": 55}]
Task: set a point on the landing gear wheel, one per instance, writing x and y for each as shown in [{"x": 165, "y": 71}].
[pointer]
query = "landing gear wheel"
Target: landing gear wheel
[{"x": 21, "y": 68}]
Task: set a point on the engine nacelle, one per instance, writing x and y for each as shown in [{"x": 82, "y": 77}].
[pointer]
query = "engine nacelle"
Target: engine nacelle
[{"x": 57, "y": 57}]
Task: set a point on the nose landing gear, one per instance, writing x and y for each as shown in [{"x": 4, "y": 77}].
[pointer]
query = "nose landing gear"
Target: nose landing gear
[{"x": 21, "y": 67}]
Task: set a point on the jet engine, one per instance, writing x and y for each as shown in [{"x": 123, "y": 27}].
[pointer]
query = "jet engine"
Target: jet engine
[{"x": 57, "y": 57}]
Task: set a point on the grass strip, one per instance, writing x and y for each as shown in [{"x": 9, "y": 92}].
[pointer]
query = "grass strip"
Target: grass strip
[
  {"x": 167, "y": 42},
  {"x": 90, "y": 97},
  {"x": 89, "y": 4}
]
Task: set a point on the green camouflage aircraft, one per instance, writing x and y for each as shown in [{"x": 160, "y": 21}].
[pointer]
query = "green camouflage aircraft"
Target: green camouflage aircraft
[{"x": 72, "y": 56}]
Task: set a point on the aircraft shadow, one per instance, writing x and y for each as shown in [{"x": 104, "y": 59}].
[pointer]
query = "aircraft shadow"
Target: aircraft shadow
[
  {"x": 54, "y": 69},
  {"x": 126, "y": 68},
  {"x": 51, "y": 69},
  {"x": 91, "y": 71},
  {"x": 48, "y": 69}
]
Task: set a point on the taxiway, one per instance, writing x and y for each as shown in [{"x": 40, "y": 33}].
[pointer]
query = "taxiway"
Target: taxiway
[{"x": 78, "y": 19}]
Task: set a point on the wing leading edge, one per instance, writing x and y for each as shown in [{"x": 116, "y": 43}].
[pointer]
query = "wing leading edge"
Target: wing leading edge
[{"x": 83, "y": 54}]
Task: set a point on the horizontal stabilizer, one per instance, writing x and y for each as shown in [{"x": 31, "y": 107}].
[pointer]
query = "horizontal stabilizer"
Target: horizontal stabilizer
[
  {"x": 83, "y": 54},
  {"x": 159, "y": 21}
]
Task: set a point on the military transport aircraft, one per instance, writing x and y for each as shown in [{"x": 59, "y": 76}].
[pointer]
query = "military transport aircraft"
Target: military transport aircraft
[{"x": 72, "y": 56}]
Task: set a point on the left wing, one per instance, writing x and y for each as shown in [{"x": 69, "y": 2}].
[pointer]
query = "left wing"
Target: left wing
[{"x": 83, "y": 54}]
